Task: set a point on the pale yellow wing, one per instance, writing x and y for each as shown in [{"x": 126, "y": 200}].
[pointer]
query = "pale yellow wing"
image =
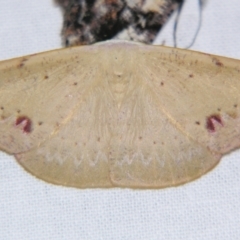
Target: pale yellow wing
[
  {"x": 38, "y": 94},
  {"x": 177, "y": 121},
  {"x": 120, "y": 114},
  {"x": 201, "y": 92},
  {"x": 55, "y": 113}
]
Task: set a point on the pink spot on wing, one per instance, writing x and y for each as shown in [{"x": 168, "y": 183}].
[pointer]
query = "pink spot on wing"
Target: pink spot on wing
[
  {"x": 25, "y": 123},
  {"x": 212, "y": 122}
]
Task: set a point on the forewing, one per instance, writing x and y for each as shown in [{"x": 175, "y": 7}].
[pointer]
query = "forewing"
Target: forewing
[
  {"x": 200, "y": 92},
  {"x": 38, "y": 94}
]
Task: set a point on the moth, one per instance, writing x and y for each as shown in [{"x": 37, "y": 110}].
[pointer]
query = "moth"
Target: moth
[
  {"x": 119, "y": 114},
  {"x": 90, "y": 21}
]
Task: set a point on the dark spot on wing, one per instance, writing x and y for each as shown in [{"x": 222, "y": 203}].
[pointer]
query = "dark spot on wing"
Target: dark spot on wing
[
  {"x": 217, "y": 62},
  {"x": 25, "y": 123},
  {"x": 191, "y": 75},
  {"x": 22, "y": 63},
  {"x": 197, "y": 122},
  {"x": 211, "y": 122}
]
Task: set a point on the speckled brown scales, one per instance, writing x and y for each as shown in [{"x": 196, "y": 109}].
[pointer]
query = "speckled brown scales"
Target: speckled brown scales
[
  {"x": 90, "y": 21},
  {"x": 119, "y": 114}
]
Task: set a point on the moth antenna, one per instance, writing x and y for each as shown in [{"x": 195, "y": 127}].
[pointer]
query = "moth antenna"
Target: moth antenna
[{"x": 179, "y": 10}]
